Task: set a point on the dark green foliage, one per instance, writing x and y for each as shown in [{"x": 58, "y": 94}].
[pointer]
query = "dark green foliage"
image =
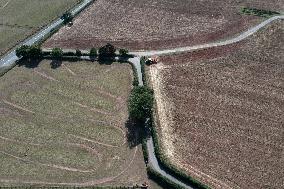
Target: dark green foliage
[
  {"x": 57, "y": 53},
  {"x": 107, "y": 52},
  {"x": 27, "y": 52},
  {"x": 142, "y": 62},
  {"x": 135, "y": 79},
  {"x": 78, "y": 53},
  {"x": 123, "y": 52},
  {"x": 259, "y": 12},
  {"x": 35, "y": 52},
  {"x": 144, "y": 149},
  {"x": 67, "y": 17},
  {"x": 22, "y": 51},
  {"x": 161, "y": 180},
  {"x": 93, "y": 52},
  {"x": 140, "y": 103}
]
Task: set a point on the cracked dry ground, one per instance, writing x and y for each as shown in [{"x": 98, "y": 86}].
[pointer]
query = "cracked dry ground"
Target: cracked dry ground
[
  {"x": 158, "y": 24},
  {"x": 67, "y": 126},
  {"x": 225, "y": 124}
]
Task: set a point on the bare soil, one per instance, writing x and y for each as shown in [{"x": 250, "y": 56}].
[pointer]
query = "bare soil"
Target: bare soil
[
  {"x": 157, "y": 24},
  {"x": 226, "y": 111}
]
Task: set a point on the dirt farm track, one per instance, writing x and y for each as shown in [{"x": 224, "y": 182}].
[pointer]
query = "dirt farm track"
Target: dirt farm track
[
  {"x": 157, "y": 24},
  {"x": 221, "y": 111}
]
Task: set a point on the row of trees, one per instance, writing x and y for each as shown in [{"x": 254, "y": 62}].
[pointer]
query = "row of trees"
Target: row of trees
[{"x": 34, "y": 51}]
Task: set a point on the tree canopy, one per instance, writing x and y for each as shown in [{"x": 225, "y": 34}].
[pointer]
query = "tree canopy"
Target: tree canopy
[
  {"x": 57, "y": 53},
  {"x": 93, "y": 52},
  {"x": 140, "y": 103},
  {"x": 67, "y": 17},
  {"x": 107, "y": 51},
  {"x": 26, "y": 51}
]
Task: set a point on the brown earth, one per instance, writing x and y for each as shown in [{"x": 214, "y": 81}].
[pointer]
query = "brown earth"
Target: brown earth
[
  {"x": 157, "y": 24},
  {"x": 225, "y": 105}
]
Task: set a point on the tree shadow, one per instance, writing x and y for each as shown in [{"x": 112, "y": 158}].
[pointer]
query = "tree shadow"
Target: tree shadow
[
  {"x": 106, "y": 61},
  {"x": 136, "y": 132},
  {"x": 54, "y": 64},
  {"x": 29, "y": 63},
  {"x": 124, "y": 58}
]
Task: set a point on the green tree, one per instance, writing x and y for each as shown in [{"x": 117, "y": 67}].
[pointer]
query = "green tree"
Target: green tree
[
  {"x": 23, "y": 51},
  {"x": 107, "y": 51},
  {"x": 67, "y": 17},
  {"x": 57, "y": 53},
  {"x": 93, "y": 52},
  {"x": 35, "y": 52},
  {"x": 78, "y": 53},
  {"x": 140, "y": 103},
  {"x": 26, "y": 51},
  {"x": 123, "y": 52}
]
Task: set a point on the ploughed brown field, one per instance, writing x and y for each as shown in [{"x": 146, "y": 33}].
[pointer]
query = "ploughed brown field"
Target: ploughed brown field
[
  {"x": 220, "y": 111},
  {"x": 158, "y": 24}
]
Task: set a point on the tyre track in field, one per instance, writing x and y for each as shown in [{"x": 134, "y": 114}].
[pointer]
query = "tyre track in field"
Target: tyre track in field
[
  {"x": 48, "y": 165},
  {"x": 89, "y": 149},
  {"x": 88, "y": 183}
]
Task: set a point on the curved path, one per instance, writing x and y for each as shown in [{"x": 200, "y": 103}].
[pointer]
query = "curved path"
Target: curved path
[
  {"x": 11, "y": 58},
  {"x": 241, "y": 37}
]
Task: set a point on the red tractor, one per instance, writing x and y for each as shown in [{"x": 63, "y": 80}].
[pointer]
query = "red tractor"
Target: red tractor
[{"x": 152, "y": 60}]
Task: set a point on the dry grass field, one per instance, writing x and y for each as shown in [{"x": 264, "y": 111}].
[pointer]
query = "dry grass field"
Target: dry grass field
[
  {"x": 21, "y": 18},
  {"x": 68, "y": 126},
  {"x": 221, "y": 111},
  {"x": 158, "y": 24}
]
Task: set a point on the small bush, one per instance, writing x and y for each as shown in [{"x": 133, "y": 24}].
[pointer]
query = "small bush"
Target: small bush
[
  {"x": 123, "y": 52},
  {"x": 57, "y": 53},
  {"x": 93, "y": 52},
  {"x": 78, "y": 53},
  {"x": 67, "y": 17}
]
